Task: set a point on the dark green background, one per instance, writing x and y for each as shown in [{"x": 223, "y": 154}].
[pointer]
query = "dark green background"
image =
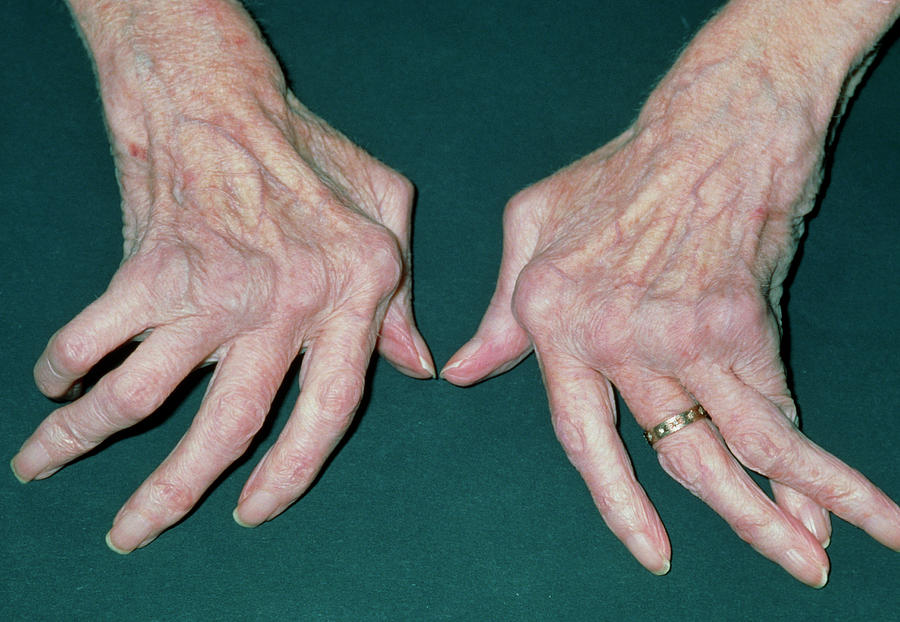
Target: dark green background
[{"x": 444, "y": 503}]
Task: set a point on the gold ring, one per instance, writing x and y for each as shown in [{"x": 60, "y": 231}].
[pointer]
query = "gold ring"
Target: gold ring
[{"x": 673, "y": 424}]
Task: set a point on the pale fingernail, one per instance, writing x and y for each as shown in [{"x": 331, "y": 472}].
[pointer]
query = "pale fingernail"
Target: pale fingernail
[
  {"x": 816, "y": 523},
  {"x": 800, "y": 565},
  {"x": 255, "y": 509},
  {"x": 12, "y": 465},
  {"x": 647, "y": 554},
  {"x": 427, "y": 365},
  {"x": 131, "y": 531},
  {"x": 32, "y": 462}
]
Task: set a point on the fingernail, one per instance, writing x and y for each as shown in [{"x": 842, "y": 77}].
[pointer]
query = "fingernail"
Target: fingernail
[
  {"x": 817, "y": 523},
  {"x": 32, "y": 462},
  {"x": 427, "y": 365},
  {"x": 255, "y": 509},
  {"x": 12, "y": 465},
  {"x": 132, "y": 531},
  {"x": 800, "y": 565},
  {"x": 647, "y": 554}
]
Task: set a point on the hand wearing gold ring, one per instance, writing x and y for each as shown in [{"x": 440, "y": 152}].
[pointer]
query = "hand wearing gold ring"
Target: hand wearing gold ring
[{"x": 656, "y": 264}]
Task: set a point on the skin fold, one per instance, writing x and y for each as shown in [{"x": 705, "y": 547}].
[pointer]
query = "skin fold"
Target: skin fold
[
  {"x": 253, "y": 231},
  {"x": 656, "y": 264}
]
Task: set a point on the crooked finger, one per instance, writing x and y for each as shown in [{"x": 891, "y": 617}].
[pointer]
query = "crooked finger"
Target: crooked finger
[
  {"x": 760, "y": 436},
  {"x": 583, "y": 412},
  {"x": 696, "y": 458},
  {"x": 333, "y": 378},
  {"x": 100, "y": 328},
  {"x": 236, "y": 404},
  {"x": 120, "y": 399}
]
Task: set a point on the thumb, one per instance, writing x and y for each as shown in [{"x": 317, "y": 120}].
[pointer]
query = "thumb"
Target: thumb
[
  {"x": 400, "y": 341},
  {"x": 500, "y": 343}
]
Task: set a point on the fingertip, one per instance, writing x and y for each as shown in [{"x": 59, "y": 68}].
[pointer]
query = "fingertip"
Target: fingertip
[
  {"x": 32, "y": 462},
  {"x": 113, "y": 547},
  {"x": 240, "y": 522},
  {"x": 664, "y": 569},
  {"x": 822, "y": 582},
  {"x": 259, "y": 507},
  {"x": 15, "y": 472},
  {"x": 649, "y": 556},
  {"x": 428, "y": 365}
]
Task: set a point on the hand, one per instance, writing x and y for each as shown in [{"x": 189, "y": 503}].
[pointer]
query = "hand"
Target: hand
[
  {"x": 656, "y": 264},
  {"x": 253, "y": 231}
]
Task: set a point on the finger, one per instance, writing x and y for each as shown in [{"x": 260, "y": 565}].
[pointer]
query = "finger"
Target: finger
[
  {"x": 237, "y": 402},
  {"x": 120, "y": 399},
  {"x": 500, "y": 343},
  {"x": 763, "y": 439},
  {"x": 333, "y": 377},
  {"x": 767, "y": 375},
  {"x": 814, "y": 517},
  {"x": 699, "y": 461},
  {"x": 100, "y": 328},
  {"x": 399, "y": 340},
  {"x": 583, "y": 412}
]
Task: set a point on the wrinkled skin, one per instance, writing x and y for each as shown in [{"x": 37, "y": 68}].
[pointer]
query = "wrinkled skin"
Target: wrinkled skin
[
  {"x": 655, "y": 265},
  {"x": 253, "y": 231}
]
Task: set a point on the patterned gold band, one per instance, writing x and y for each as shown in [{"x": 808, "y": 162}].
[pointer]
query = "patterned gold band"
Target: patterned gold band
[{"x": 673, "y": 424}]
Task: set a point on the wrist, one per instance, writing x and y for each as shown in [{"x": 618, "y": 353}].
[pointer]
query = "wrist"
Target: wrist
[
  {"x": 192, "y": 59},
  {"x": 802, "y": 55}
]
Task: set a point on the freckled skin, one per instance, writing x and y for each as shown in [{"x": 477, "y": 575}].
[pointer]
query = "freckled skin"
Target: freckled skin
[
  {"x": 252, "y": 231},
  {"x": 656, "y": 264}
]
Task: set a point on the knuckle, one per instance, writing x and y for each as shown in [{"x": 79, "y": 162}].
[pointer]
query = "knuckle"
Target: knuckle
[
  {"x": 400, "y": 189},
  {"x": 383, "y": 263},
  {"x": 538, "y": 296},
  {"x": 752, "y": 525},
  {"x": 63, "y": 439},
  {"x": 71, "y": 350},
  {"x": 173, "y": 497},
  {"x": 570, "y": 432},
  {"x": 615, "y": 499},
  {"x": 235, "y": 419},
  {"x": 295, "y": 470},
  {"x": 132, "y": 394},
  {"x": 686, "y": 465},
  {"x": 762, "y": 448},
  {"x": 337, "y": 399}
]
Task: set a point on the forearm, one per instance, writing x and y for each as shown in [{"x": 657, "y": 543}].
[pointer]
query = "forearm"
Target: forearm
[
  {"x": 162, "y": 58},
  {"x": 801, "y": 55}
]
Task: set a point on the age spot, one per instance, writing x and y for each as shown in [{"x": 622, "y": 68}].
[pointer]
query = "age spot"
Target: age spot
[{"x": 137, "y": 152}]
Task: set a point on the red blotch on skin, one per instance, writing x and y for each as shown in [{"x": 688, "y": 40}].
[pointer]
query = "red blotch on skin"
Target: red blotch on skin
[{"x": 137, "y": 152}]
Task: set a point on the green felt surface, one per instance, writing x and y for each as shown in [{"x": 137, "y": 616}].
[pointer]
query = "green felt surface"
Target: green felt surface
[{"x": 443, "y": 503}]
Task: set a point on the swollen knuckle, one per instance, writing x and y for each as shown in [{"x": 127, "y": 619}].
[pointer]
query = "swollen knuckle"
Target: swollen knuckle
[
  {"x": 132, "y": 394},
  {"x": 762, "y": 449},
  {"x": 295, "y": 470},
  {"x": 400, "y": 189},
  {"x": 537, "y": 297},
  {"x": 235, "y": 419},
  {"x": 570, "y": 432},
  {"x": 64, "y": 438},
  {"x": 171, "y": 496},
  {"x": 338, "y": 397},
  {"x": 685, "y": 465},
  {"x": 71, "y": 350},
  {"x": 383, "y": 265}
]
